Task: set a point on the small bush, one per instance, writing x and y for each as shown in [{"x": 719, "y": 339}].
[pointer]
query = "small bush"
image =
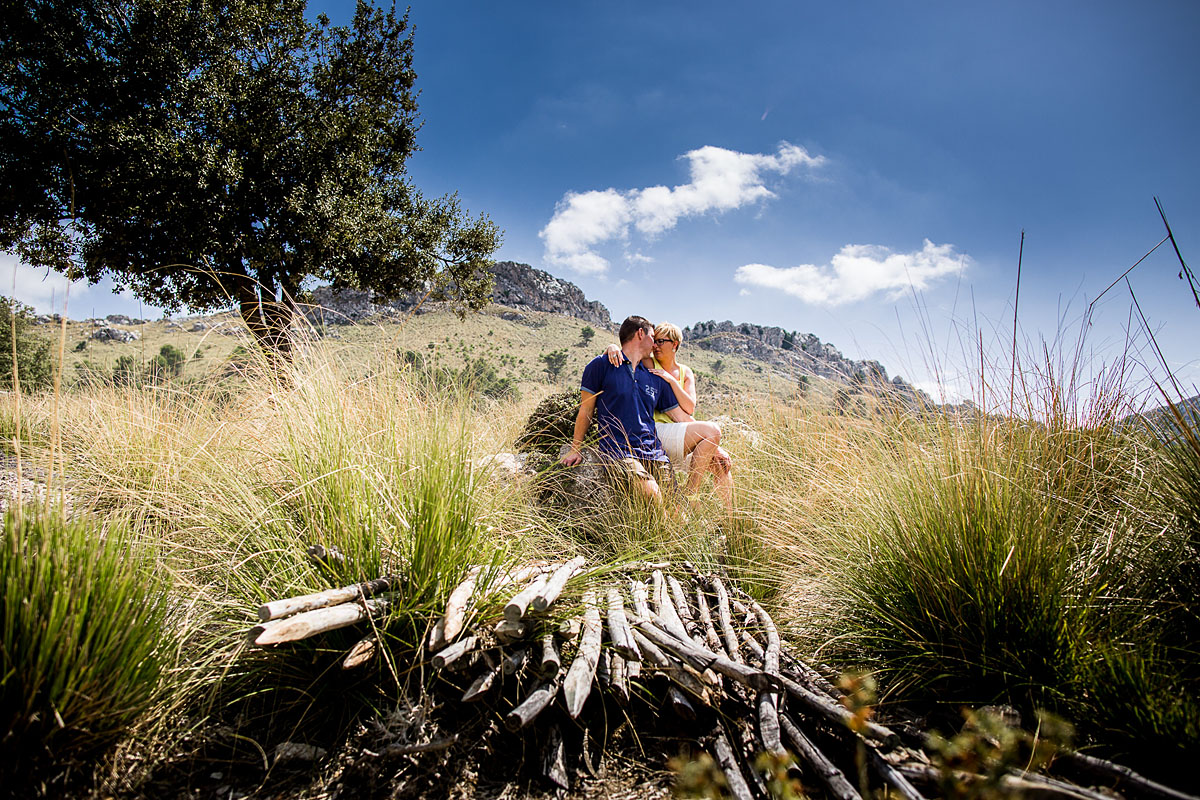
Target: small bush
[
  {"x": 552, "y": 424},
  {"x": 555, "y": 362},
  {"x": 83, "y": 616},
  {"x": 167, "y": 364},
  {"x": 35, "y": 368}
]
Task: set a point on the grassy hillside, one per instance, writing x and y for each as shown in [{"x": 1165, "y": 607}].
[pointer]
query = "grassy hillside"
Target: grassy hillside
[
  {"x": 509, "y": 340},
  {"x": 965, "y": 561}
]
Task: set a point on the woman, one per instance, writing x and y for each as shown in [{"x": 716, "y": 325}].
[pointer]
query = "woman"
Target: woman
[{"x": 697, "y": 441}]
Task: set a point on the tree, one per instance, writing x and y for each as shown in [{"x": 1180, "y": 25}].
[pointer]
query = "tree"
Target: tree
[
  {"x": 35, "y": 368},
  {"x": 585, "y": 335},
  {"x": 204, "y": 153},
  {"x": 169, "y": 363},
  {"x": 555, "y": 362},
  {"x": 718, "y": 366}
]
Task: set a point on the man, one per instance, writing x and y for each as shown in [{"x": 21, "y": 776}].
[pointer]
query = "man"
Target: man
[{"x": 624, "y": 399}]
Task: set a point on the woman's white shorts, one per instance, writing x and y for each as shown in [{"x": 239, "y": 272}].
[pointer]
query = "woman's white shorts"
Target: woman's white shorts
[{"x": 672, "y": 434}]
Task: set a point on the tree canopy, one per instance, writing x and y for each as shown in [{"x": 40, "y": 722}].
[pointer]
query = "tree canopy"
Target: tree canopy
[{"x": 203, "y": 153}]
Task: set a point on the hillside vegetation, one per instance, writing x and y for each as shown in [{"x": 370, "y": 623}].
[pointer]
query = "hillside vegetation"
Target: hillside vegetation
[{"x": 965, "y": 560}]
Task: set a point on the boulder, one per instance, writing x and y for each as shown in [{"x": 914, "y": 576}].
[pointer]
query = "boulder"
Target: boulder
[{"x": 107, "y": 334}]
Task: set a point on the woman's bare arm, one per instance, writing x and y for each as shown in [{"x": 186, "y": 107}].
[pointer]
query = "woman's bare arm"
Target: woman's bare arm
[{"x": 686, "y": 400}]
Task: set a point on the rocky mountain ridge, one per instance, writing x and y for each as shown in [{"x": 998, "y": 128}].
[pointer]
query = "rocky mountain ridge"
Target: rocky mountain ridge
[{"x": 516, "y": 286}]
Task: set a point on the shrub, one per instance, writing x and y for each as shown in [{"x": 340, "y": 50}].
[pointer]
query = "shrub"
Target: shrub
[
  {"x": 167, "y": 364},
  {"x": 126, "y": 371},
  {"x": 35, "y": 369},
  {"x": 555, "y": 362},
  {"x": 83, "y": 619},
  {"x": 585, "y": 335},
  {"x": 552, "y": 424}
]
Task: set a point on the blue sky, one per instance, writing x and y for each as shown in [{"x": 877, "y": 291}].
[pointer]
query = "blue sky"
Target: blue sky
[{"x": 861, "y": 171}]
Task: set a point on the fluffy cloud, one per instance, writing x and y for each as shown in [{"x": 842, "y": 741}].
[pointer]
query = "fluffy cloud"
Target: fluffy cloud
[
  {"x": 857, "y": 272},
  {"x": 721, "y": 180}
]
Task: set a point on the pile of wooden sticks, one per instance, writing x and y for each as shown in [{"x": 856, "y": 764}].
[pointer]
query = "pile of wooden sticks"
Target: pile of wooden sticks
[{"x": 657, "y": 633}]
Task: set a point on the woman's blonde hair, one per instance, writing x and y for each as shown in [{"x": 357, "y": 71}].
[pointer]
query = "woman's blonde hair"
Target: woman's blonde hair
[{"x": 665, "y": 330}]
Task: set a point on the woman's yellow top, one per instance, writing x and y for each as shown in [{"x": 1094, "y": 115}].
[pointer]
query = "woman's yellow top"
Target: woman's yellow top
[{"x": 659, "y": 416}]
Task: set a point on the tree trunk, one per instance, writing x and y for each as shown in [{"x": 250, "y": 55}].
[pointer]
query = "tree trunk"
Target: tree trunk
[{"x": 268, "y": 320}]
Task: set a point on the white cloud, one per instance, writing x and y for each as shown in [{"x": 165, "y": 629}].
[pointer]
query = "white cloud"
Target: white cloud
[
  {"x": 744, "y": 293},
  {"x": 857, "y": 272},
  {"x": 721, "y": 180},
  {"x": 34, "y": 287}
]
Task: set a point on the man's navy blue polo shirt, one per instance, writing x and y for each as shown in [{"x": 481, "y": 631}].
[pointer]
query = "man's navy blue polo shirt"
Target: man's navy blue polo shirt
[{"x": 628, "y": 398}]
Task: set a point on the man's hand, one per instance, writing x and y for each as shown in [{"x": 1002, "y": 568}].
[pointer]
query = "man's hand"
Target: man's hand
[
  {"x": 572, "y": 458},
  {"x": 723, "y": 460}
]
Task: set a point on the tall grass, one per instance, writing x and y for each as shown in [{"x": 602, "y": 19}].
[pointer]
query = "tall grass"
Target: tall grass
[
  {"x": 83, "y": 639},
  {"x": 1044, "y": 559}
]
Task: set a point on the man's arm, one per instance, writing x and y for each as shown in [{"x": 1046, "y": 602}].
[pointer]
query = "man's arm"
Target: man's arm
[{"x": 587, "y": 405}]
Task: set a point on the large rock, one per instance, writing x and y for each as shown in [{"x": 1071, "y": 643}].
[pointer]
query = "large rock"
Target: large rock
[
  {"x": 107, "y": 334},
  {"x": 524, "y": 288}
]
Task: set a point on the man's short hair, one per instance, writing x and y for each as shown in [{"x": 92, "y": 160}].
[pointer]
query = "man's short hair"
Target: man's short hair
[
  {"x": 632, "y": 325},
  {"x": 665, "y": 330}
]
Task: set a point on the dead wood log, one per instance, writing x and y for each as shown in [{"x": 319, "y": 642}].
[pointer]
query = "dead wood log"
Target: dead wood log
[
  {"x": 551, "y": 662},
  {"x": 832, "y": 777},
  {"x": 682, "y": 609},
  {"x": 633, "y": 669},
  {"x": 618, "y": 627},
  {"x": 754, "y": 647},
  {"x": 766, "y": 707},
  {"x": 519, "y": 604},
  {"x": 664, "y": 606},
  {"x": 678, "y": 672},
  {"x": 554, "y": 758},
  {"x": 310, "y": 623},
  {"x": 743, "y": 611},
  {"x": 774, "y": 646},
  {"x": 556, "y": 582},
  {"x": 731, "y": 642},
  {"x": 570, "y": 628},
  {"x": 1124, "y": 777},
  {"x": 582, "y": 671},
  {"x": 534, "y": 703},
  {"x": 424, "y": 747},
  {"x": 727, "y": 761},
  {"x": 604, "y": 669},
  {"x": 362, "y": 652},
  {"x": 884, "y": 769},
  {"x": 485, "y": 681},
  {"x": 619, "y": 677},
  {"x": 813, "y": 679},
  {"x": 710, "y": 631},
  {"x": 446, "y": 629},
  {"x": 448, "y": 655},
  {"x": 700, "y": 659},
  {"x": 324, "y": 556},
  {"x": 277, "y": 609},
  {"x": 680, "y": 704},
  {"x": 768, "y": 702},
  {"x": 514, "y": 661},
  {"x": 508, "y": 631},
  {"x": 641, "y": 606},
  {"x": 1036, "y": 787},
  {"x": 839, "y": 714}
]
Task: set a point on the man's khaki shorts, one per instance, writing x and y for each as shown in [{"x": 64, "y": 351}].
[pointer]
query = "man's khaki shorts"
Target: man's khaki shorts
[{"x": 624, "y": 471}]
